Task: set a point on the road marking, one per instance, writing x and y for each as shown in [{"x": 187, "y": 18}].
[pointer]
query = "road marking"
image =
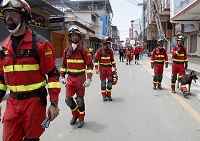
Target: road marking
[{"x": 192, "y": 111}]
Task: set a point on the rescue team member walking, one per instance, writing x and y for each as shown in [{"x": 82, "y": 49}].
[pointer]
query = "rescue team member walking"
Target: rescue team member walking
[
  {"x": 104, "y": 61},
  {"x": 179, "y": 57},
  {"x": 75, "y": 60},
  {"x": 158, "y": 58},
  {"x": 121, "y": 54},
  {"x": 129, "y": 55},
  {"x": 24, "y": 76},
  {"x": 137, "y": 54}
]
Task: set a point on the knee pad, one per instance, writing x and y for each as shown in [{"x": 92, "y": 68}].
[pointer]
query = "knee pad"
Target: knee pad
[
  {"x": 69, "y": 101},
  {"x": 26, "y": 139},
  {"x": 103, "y": 84},
  {"x": 155, "y": 78},
  {"x": 174, "y": 79},
  {"x": 160, "y": 76},
  {"x": 109, "y": 86},
  {"x": 80, "y": 101}
]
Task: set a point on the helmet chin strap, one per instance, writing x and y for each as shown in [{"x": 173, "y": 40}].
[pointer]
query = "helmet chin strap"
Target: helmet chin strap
[{"x": 16, "y": 29}]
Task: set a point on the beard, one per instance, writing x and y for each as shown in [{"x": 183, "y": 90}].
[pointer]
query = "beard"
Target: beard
[{"x": 11, "y": 24}]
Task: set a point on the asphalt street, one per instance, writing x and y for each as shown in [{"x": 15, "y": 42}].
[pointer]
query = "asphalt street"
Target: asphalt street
[{"x": 137, "y": 112}]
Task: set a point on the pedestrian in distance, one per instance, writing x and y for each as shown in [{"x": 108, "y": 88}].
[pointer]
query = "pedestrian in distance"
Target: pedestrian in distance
[
  {"x": 77, "y": 60},
  {"x": 26, "y": 57},
  {"x": 159, "y": 57},
  {"x": 179, "y": 65},
  {"x": 121, "y": 54},
  {"x": 104, "y": 61}
]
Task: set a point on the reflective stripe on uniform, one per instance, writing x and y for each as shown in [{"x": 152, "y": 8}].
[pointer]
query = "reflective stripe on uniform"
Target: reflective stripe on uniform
[
  {"x": 74, "y": 61},
  {"x": 3, "y": 87},
  {"x": 24, "y": 88},
  {"x": 54, "y": 85},
  {"x": 12, "y": 68},
  {"x": 75, "y": 70},
  {"x": 63, "y": 69}
]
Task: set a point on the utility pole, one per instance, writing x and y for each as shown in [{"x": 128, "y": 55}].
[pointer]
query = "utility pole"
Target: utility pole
[
  {"x": 158, "y": 21},
  {"x": 157, "y": 18}
]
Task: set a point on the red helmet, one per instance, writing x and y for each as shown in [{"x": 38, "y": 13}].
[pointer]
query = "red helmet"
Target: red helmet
[
  {"x": 181, "y": 38},
  {"x": 160, "y": 41},
  {"x": 107, "y": 40},
  {"x": 114, "y": 77},
  {"x": 18, "y": 5}
]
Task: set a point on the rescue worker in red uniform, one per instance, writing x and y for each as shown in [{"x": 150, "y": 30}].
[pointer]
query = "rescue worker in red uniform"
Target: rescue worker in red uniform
[
  {"x": 77, "y": 60},
  {"x": 129, "y": 55},
  {"x": 159, "y": 57},
  {"x": 137, "y": 54},
  {"x": 104, "y": 61},
  {"x": 179, "y": 65},
  {"x": 22, "y": 72}
]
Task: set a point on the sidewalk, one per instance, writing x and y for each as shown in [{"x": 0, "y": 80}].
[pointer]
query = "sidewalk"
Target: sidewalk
[{"x": 193, "y": 63}]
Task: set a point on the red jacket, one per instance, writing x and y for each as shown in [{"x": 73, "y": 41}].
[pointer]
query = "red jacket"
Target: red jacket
[
  {"x": 24, "y": 74},
  {"x": 179, "y": 54},
  {"x": 159, "y": 55},
  {"x": 104, "y": 58},
  {"x": 75, "y": 62},
  {"x": 137, "y": 50}
]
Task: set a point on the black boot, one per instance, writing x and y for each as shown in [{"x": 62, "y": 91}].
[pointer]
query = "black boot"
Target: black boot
[
  {"x": 160, "y": 88},
  {"x": 80, "y": 123},
  {"x": 185, "y": 94},
  {"x": 109, "y": 98},
  {"x": 104, "y": 99},
  {"x": 73, "y": 120},
  {"x": 173, "y": 91},
  {"x": 154, "y": 87}
]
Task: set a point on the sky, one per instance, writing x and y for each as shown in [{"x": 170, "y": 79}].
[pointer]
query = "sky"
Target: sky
[{"x": 124, "y": 12}]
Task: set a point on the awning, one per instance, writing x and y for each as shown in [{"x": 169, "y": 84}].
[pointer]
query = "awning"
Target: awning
[
  {"x": 189, "y": 14},
  {"x": 45, "y": 7}
]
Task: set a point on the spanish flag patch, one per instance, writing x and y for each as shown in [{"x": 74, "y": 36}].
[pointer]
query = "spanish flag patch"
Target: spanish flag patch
[{"x": 48, "y": 52}]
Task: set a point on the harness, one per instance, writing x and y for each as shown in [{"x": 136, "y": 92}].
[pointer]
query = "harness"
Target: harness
[
  {"x": 104, "y": 53},
  {"x": 27, "y": 52},
  {"x": 69, "y": 53}
]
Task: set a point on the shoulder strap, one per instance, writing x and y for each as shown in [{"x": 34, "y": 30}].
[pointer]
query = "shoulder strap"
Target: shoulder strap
[{"x": 34, "y": 47}]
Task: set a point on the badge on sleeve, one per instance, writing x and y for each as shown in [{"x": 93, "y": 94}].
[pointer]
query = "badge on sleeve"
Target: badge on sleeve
[{"x": 48, "y": 52}]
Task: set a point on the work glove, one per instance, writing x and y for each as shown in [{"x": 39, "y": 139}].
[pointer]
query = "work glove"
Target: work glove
[
  {"x": 152, "y": 66},
  {"x": 87, "y": 83},
  {"x": 166, "y": 65},
  {"x": 186, "y": 65},
  {"x": 97, "y": 71},
  {"x": 62, "y": 80}
]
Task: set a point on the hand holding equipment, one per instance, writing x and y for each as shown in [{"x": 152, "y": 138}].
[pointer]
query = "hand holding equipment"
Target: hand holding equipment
[
  {"x": 46, "y": 122},
  {"x": 87, "y": 83}
]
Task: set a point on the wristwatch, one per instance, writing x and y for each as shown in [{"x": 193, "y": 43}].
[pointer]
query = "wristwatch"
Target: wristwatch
[{"x": 54, "y": 103}]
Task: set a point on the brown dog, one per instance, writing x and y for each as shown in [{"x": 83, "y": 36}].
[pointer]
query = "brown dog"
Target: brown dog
[{"x": 187, "y": 79}]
